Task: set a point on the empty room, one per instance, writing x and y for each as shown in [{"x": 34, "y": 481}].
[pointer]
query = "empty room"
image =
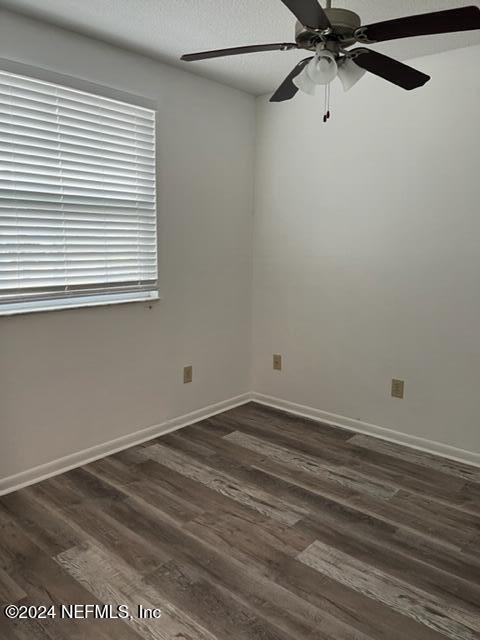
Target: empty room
[{"x": 239, "y": 320}]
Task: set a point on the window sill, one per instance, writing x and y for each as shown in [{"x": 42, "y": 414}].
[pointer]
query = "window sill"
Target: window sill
[{"x": 77, "y": 302}]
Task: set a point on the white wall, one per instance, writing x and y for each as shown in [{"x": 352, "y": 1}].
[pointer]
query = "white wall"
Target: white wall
[
  {"x": 73, "y": 379},
  {"x": 367, "y": 261},
  {"x": 367, "y": 252}
]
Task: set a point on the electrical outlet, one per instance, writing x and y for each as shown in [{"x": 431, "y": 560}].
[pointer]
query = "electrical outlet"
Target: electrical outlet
[
  {"x": 398, "y": 388},
  {"x": 277, "y": 362},
  {"x": 187, "y": 374}
]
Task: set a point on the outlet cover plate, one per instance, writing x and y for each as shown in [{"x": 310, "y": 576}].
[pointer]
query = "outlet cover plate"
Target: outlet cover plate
[
  {"x": 187, "y": 374},
  {"x": 398, "y": 388}
]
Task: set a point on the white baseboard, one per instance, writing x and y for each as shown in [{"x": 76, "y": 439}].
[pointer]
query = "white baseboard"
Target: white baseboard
[
  {"x": 414, "y": 442},
  {"x": 78, "y": 459}
]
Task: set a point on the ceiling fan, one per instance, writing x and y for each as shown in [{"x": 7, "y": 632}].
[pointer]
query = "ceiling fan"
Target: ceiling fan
[{"x": 331, "y": 31}]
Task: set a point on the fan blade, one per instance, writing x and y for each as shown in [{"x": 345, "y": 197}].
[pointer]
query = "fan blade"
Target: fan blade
[
  {"x": 389, "y": 69},
  {"x": 309, "y": 13},
  {"x": 235, "y": 51},
  {"x": 463, "y": 19},
  {"x": 287, "y": 89}
]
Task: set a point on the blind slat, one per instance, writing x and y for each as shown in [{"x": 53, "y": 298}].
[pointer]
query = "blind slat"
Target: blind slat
[
  {"x": 29, "y": 224},
  {"x": 73, "y": 187},
  {"x": 58, "y": 132},
  {"x": 16, "y": 114},
  {"x": 77, "y": 193},
  {"x": 29, "y": 198},
  {"x": 49, "y": 92},
  {"x": 29, "y": 171},
  {"x": 24, "y": 153},
  {"x": 32, "y": 109},
  {"x": 68, "y": 143}
]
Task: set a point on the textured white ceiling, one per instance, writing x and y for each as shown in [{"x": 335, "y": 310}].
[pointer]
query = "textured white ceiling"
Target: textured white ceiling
[{"x": 165, "y": 29}]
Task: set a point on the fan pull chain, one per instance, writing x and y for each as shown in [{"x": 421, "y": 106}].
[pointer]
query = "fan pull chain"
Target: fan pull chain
[{"x": 326, "y": 115}]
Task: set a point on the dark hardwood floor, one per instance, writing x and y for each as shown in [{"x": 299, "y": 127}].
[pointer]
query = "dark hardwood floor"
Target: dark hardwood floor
[{"x": 252, "y": 525}]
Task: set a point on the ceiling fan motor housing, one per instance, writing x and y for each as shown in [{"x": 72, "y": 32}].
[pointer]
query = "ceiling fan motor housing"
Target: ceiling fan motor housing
[{"x": 344, "y": 23}]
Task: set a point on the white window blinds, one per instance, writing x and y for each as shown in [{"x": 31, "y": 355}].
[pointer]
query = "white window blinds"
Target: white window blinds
[{"x": 77, "y": 197}]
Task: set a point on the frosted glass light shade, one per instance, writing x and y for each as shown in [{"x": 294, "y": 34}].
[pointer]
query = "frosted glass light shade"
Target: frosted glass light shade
[
  {"x": 304, "y": 83},
  {"x": 323, "y": 68},
  {"x": 349, "y": 73}
]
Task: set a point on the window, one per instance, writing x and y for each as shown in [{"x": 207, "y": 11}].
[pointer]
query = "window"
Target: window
[{"x": 78, "y": 222}]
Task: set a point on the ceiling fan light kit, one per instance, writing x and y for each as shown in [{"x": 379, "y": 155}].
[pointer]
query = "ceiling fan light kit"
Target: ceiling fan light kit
[
  {"x": 329, "y": 33},
  {"x": 321, "y": 70},
  {"x": 349, "y": 73},
  {"x": 304, "y": 82}
]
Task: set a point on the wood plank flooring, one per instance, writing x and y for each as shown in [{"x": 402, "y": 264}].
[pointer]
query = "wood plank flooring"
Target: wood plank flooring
[{"x": 252, "y": 525}]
